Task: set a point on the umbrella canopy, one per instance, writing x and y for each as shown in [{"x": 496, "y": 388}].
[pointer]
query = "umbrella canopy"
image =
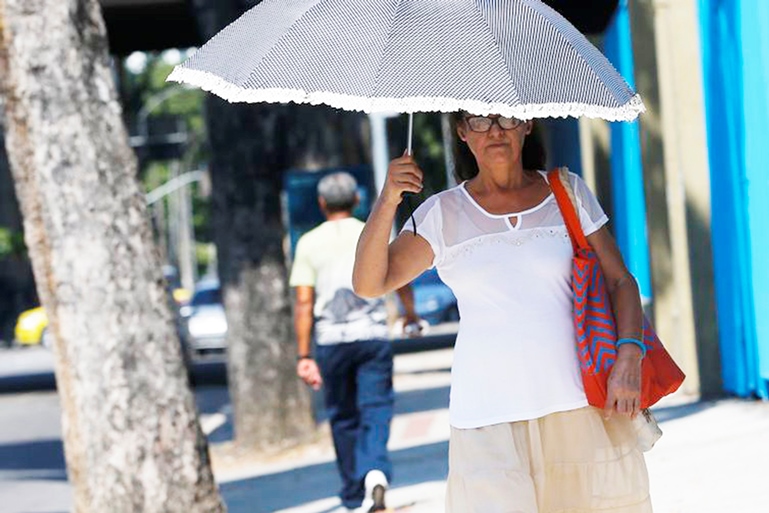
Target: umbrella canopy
[{"x": 510, "y": 57}]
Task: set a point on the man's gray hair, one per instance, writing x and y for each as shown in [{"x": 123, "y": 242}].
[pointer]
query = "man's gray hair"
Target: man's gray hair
[{"x": 339, "y": 190}]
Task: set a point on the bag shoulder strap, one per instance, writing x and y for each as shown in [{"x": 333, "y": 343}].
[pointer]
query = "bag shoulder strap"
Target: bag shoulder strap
[{"x": 567, "y": 203}]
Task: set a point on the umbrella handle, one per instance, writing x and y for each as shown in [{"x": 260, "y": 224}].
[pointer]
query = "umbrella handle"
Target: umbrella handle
[
  {"x": 407, "y": 196},
  {"x": 411, "y": 134}
]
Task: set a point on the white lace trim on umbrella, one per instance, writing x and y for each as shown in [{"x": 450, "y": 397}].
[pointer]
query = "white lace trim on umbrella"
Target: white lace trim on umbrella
[{"x": 233, "y": 93}]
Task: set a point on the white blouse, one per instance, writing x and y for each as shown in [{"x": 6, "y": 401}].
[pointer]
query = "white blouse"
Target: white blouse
[{"x": 514, "y": 357}]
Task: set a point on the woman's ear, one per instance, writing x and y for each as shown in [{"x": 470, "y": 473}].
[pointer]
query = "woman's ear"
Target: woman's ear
[
  {"x": 529, "y": 126},
  {"x": 461, "y": 132}
]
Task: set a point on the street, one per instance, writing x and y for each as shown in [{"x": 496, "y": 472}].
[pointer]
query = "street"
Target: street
[{"x": 710, "y": 459}]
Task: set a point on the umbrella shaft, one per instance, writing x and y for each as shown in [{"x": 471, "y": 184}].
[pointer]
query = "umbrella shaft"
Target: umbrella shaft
[{"x": 411, "y": 133}]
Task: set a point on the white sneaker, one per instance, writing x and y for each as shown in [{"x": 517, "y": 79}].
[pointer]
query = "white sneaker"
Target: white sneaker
[{"x": 376, "y": 486}]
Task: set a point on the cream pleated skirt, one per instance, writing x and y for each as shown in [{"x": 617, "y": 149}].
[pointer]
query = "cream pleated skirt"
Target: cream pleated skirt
[{"x": 568, "y": 462}]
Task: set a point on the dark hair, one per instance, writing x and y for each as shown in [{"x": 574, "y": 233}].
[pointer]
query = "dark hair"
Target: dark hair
[{"x": 466, "y": 167}]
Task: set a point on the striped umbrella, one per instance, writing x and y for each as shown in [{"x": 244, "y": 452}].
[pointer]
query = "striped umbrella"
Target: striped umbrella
[{"x": 510, "y": 57}]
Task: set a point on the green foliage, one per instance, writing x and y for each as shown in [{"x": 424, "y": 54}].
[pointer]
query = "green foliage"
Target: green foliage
[
  {"x": 201, "y": 215},
  {"x": 147, "y": 91},
  {"x": 188, "y": 103},
  {"x": 156, "y": 174},
  {"x": 11, "y": 244},
  {"x": 428, "y": 152},
  {"x": 204, "y": 252}
]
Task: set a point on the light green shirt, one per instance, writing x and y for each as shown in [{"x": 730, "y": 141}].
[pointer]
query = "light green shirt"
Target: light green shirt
[{"x": 324, "y": 259}]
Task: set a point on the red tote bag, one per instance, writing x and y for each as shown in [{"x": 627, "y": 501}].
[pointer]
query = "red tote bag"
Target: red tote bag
[{"x": 594, "y": 318}]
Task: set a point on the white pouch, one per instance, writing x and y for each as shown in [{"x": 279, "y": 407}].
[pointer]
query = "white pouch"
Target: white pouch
[{"x": 647, "y": 430}]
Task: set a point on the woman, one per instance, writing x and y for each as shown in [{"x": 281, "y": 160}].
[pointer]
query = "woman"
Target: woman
[{"x": 523, "y": 438}]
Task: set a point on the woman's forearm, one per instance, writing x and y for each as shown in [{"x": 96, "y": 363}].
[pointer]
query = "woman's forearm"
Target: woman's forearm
[
  {"x": 379, "y": 267},
  {"x": 627, "y": 308},
  {"x": 621, "y": 286},
  {"x": 371, "y": 257}
]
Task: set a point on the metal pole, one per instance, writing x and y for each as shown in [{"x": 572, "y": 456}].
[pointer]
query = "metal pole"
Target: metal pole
[
  {"x": 152, "y": 103},
  {"x": 411, "y": 133},
  {"x": 448, "y": 150},
  {"x": 186, "y": 253},
  {"x": 174, "y": 184},
  {"x": 173, "y": 220},
  {"x": 378, "y": 123}
]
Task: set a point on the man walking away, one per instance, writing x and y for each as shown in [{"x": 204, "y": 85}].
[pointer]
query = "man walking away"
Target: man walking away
[{"x": 353, "y": 356}]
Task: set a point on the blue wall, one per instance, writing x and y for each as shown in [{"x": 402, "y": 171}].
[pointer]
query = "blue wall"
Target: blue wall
[
  {"x": 563, "y": 148},
  {"x": 736, "y": 77},
  {"x": 629, "y": 215}
]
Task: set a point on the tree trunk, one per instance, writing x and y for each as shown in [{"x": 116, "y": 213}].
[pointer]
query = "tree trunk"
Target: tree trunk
[
  {"x": 251, "y": 147},
  {"x": 131, "y": 435}
]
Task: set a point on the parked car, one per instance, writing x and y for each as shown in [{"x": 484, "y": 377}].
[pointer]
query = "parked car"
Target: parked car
[
  {"x": 433, "y": 300},
  {"x": 205, "y": 324},
  {"x": 32, "y": 328}
]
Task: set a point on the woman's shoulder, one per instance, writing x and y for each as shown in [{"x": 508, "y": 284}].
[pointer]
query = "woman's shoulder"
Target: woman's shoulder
[
  {"x": 576, "y": 182},
  {"x": 452, "y": 195},
  {"x": 574, "y": 178},
  {"x": 442, "y": 198}
]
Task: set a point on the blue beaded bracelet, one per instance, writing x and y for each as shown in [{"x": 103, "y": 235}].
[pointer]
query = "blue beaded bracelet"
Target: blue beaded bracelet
[{"x": 635, "y": 341}]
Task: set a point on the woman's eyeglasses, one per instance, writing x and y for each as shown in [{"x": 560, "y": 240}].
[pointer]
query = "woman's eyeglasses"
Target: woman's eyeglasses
[{"x": 484, "y": 123}]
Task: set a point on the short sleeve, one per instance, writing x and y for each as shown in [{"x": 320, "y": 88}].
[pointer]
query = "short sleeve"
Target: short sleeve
[
  {"x": 429, "y": 224},
  {"x": 302, "y": 271},
  {"x": 591, "y": 215}
]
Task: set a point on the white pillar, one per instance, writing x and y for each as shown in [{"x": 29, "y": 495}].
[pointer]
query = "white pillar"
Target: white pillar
[{"x": 379, "y": 152}]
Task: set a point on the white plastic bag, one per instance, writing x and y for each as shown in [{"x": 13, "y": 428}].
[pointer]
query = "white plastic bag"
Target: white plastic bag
[{"x": 647, "y": 430}]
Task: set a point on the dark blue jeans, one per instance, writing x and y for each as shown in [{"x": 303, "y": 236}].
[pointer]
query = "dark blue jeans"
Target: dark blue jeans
[{"x": 357, "y": 386}]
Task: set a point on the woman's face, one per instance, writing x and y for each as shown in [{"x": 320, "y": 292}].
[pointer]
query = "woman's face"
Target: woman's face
[{"x": 497, "y": 146}]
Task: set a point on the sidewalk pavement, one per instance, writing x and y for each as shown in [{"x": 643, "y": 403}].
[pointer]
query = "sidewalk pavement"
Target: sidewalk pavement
[
  {"x": 712, "y": 458},
  {"x": 307, "y": 482}
]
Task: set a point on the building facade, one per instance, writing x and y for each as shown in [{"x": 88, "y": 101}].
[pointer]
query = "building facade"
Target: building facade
[{"x": 687, "y": 185}]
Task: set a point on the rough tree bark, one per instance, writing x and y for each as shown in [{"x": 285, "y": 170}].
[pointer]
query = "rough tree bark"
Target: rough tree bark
[
  {"x": 251, "y": 146},
  {"x": 131, "y": 435}
]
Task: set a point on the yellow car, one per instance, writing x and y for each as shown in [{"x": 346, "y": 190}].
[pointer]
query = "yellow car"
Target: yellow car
[
  {"x": 181, "y": 296},
  {"x": 31, "y": 328}
]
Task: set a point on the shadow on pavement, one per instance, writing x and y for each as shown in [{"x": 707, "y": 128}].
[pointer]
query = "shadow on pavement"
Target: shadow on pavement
[
  {"x": 202, "y": 373},
  {"x": 425, "y": 399},
  {"x": 37, "y": 382},
  {"x": 676, "y": 412},
  {"x": 211, "y": 399},
  {"x": 307, "y": 484},
  {"x": 417, "y": 372},
  {"x": 413, "y": 401},
  {"x": 209, "y": 371},
  {"x": 425, "y": 343},
  {"x": 40, "y": 459}
]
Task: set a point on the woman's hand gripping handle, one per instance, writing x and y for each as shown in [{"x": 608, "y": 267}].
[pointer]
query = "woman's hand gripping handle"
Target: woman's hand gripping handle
[
  {"x": 377, "y": 271},
  {"x": 403, "y": 176}
]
